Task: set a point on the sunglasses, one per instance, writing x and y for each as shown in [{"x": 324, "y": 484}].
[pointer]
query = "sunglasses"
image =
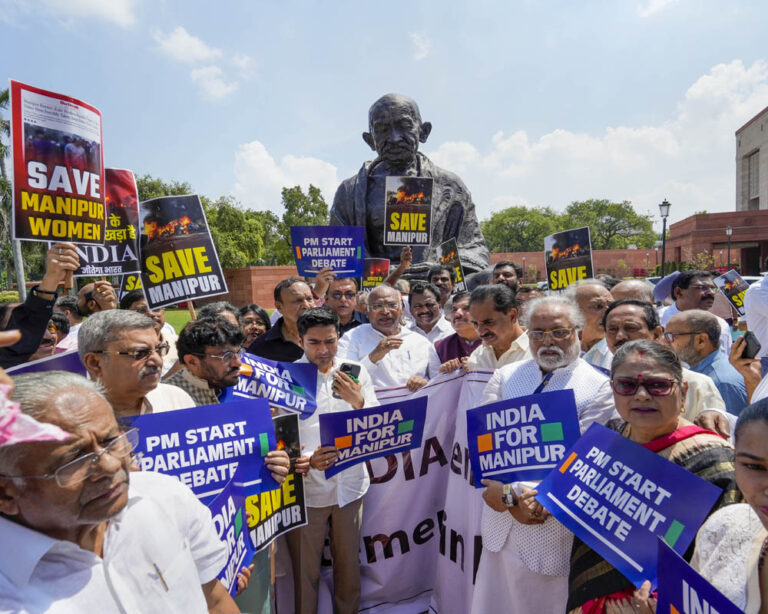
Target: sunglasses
[{"x": 655, "y": 386}]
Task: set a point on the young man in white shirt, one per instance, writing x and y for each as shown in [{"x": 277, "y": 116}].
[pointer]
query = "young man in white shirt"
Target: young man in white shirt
[{"x": 336, "y": 501}]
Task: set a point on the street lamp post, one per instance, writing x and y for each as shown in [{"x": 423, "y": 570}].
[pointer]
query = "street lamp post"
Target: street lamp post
[
  {"x": 523, "y": 269},
  {"x": 729, "y": 232},
  {"x": 664, "y": 211}
]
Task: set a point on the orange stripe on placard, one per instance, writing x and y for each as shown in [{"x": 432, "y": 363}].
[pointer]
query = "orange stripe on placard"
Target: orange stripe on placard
[
  {"x": 673, "y": 609},
  {"x": 567, "y": 463},
  {"x": 298, "y": 253}
]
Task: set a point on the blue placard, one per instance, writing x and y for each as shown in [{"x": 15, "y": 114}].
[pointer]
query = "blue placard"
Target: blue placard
[
  {"x": 66, "y": 361},
  {"x": 341, "y": 248},
  {"x": 522, "y": 438},
  {"x": 288, "y": 385},
  {"x": 618, "y": 497},
  {"x": 202, "y": 446},
  {"x": 683, "y": 591},
  {"x": 363, "y": 434}
]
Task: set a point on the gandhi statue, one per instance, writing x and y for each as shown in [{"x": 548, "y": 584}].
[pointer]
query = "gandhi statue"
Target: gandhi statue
[{"x": 396, "y": 130}]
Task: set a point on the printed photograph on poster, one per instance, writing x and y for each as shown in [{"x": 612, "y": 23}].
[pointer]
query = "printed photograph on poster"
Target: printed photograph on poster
[
  {"x": 448, "y": 253},
  {"x": 337, "y": 247},
  {"x": 176, "y": 251},
  {"x": 408, "y": 210},
  {"x": 568, "y": 257},
  {"x": 375, "y": 271},
  {"x": 733, "y": 286},
  {"x": 58, "y": 169}
]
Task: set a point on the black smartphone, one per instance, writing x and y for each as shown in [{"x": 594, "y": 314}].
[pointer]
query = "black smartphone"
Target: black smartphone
[
  {"x": 753, "y": 345},
  {"x": 352, "y": 370}
]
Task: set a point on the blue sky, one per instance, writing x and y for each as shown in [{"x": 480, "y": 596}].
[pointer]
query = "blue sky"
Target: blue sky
[{"x": 532, "y": 102}]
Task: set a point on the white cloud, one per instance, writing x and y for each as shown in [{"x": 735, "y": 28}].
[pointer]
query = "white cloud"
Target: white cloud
[
  {"x": 421, "y": 45},
  {"x": 119, "y": 12},
  {"x": 210, "y": 80},
  {"x": 244, "y": 64},
  {"x": 687, "y": 159},
  {"x": 651, "y": 7},
  {"x": 181, "y": 46},
  {"x": 259, "y": 178}
]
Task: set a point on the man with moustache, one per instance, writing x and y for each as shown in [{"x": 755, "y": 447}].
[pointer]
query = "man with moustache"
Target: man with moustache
[
  {"x": 136, "y": 301},
  {"x": 593, "y": 299},
  {"x": 443, "y": 277},
  {"x": 342, "y": 298},
  {"x": 508, "y": 273},
  {"x": 458, "y": 346},
  {"x": 428, "y": 320}
]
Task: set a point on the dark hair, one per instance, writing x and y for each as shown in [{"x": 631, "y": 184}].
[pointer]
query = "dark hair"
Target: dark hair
[
  {"x": 346, "y": 279},
  {"x": 439, "y": 269},
  {"x": 480, "y": 278},
  {"x": 452, "y": 300},
  {"x": 317, "y": 316},
  {"x": 420, "y": 287},
  {"x": 286, "y": 283},
  {"x": 258, "y": 310},
  {"x": 685, "y": 278},
  {"x": 61, "y": 322},
  {"x": 207, "y": 332},
  {"x": 757, "y": 411},
  {"x": 650, "y": 315},
  {"x": 212, "y": 310},
  {"x": 67, "y": 302},
  {"x": 514, "y": 265},
  {"x": 130, "y": 298},
  {"x": 609, "y": 280},
  {"x": 527, "y": 289},
  {"x": 503, "y": 297},
  {"x": 702, "y": 321},
  {"x": 664, "y": 355}
]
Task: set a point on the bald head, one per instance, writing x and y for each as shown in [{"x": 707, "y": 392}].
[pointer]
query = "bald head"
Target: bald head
[
  {"x": 395, "y": 131},
  {"x": 394, "y": 100},
  {"x": 634, "y": 289}
]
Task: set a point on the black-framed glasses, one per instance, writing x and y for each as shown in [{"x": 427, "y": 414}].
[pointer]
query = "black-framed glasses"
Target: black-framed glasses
[
  {"x": 383, "y": 306},
  {"x": 556, "y": 333},
  {"x": 76, "y": 471},
  {"x": 670, "y": 337},
  {"x": 655, "y": 386},
  {"x": 225, "y": 357},
  {"x": 140, "y": 355},
  {"x": 337, "y": 296}
]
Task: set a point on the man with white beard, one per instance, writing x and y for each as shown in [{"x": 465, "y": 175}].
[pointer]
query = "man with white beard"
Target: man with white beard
[{"x": 526, "y": 554}]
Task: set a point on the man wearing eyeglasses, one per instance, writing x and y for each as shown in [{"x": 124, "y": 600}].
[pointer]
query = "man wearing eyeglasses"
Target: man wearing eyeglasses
[
  {"x": 80, "y": 532},
  {"x": 593, "y": 299},
  {"x": 428, "y": 320},
  {"x": 136, "y": 301},
  {"x": 342, "y": 298}
]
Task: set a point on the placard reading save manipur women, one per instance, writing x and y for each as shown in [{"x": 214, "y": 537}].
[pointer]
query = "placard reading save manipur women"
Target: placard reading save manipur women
[
  {"x": 523, "y": 438},
  {"x": 683, "y": 591},
  {"x": 618, "y": 497},
  {"x": 363, "y": 434},
  {"x": 449, "y": 256},
  {"x": 178, "y": 258},
  {"x": 734, "y": 287},
  {"x": 568, "y": 257},
  {"x": 58, "y": 169},
  {"x": 202, "y": 446},
  {"x": 337, "y": 247},
  {"x": 408, "y": 210}
]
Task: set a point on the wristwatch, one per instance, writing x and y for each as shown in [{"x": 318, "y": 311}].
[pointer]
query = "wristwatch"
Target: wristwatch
[{"x": 508, "y": 495}]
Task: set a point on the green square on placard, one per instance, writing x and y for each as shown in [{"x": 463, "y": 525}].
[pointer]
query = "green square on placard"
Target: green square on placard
[
  {"x": 359, "y": 252},
  {"x": 673, "y": 533},
  {"x": 297, "y": 389},
  {"x": 238, "y": 522},
  {"x": 405, "y": 427},
  {"x": 551, "y": 431},
  {"x": 264, "y": 443}
]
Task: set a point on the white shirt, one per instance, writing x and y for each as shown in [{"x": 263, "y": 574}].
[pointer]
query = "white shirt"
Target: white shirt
[
  {"x": 599, "y": 355},
  {"x": 166, "y": 398},
  {"x": 440, "y": 330},
  {"x": 352, "y": 483},
  {"x": 761, "y": 391},
  {"x": 484, "y": 357},
  {"x": 725, "y": 330},
  {"x": 70, "y": 341},
  {"x": 756, "y": 312},
  {"x": 163, "y": 524},
  {"x": 416, "y": 356}
]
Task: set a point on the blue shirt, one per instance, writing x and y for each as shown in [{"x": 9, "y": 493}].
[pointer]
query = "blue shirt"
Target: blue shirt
[{"x": 728, "y": 380}]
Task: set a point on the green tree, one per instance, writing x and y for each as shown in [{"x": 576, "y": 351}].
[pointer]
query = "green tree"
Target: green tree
[
  {"x": 152, "y": 187},
  {"x": 611, "y": 225},
  {"x": 237, "y": 235},
  {"x": 300, "y": 209},
  {"x": 520, "y": 229}
]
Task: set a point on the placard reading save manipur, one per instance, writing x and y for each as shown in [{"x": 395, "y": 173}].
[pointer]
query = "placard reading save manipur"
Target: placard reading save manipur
[
  {"x": 568, "y": 257},
  {"x": 408, "y": 210},
  {"x": 178, "y": 258},
  {"x": 523, "y": 438},
  {"x": 734, "y": 287},
  {"x": 618, "y": 497},
  {"x": 58, "y": 169},
  {"x": 340, "y": 248},
  {"x": 363, "y": 434},
  {"x": 683, "y": 591},
  {"x": 449, "y": 256}
]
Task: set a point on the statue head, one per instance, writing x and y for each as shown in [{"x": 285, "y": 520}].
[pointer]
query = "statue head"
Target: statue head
[{"x": 396, "y": 130}]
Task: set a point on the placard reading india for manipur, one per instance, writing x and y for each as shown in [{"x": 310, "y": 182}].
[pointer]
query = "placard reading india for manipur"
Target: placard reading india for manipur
[
  {"x": 178, "y": 258},
  {"x": 523, "y": 438},
  {"x": 363, "y": 434},
  {"x": 337, "y": 247},
  {"x": 734, "y": 287},
  {"x": 449, "y": 256},
  {"x": 408, "y": 210},
  {"x": 58, "y": 168},
  {"x": 568, "y": 257},
  {"x": 618, "y": 497}
]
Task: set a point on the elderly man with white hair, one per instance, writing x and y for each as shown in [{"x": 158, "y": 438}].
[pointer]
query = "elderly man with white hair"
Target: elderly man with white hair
[{"x": 523, "y": 548}]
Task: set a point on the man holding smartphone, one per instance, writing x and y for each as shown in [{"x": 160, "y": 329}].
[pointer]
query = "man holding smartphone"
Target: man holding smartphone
[{"x": 342, "y": 385}]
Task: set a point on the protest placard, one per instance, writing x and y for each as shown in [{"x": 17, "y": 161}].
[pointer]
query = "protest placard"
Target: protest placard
[
  {"x": 177, "y": 255},
  {"x": 733, "y": 286},
  {"x": 66, "y": 361},
  {"x": 286, "y": 385},
  {"x": 568, "y": 257},
  {"x": 363, "y": 434},
  {"x": 58, "y": 169},
  {"x": 523, "y": 438},
  {"x": 375, "y": 271},
  {"x": 338, "y": 247},
  {"x": 618, "y": 497},
  {"x": 119, "y": 254},
  {"x": 202, "y": 446},
  {"x": 683, "y": 591},
  {"x": 448, "y": 253},
  {"x": 129, "y": 283},
  {"x": 408, "y": 210}
]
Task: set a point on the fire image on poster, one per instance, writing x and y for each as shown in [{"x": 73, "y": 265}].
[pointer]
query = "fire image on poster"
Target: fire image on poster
[
  {"x": 449, "y": 256},
  {"x": 568, "y": 257},
  {"x": 119, "y": 254},
  {"x": 375, "y": 271},
  {"x": 733, "y": 286},
  {"x": 408, "y": 210},
  {"x": 178, "y": 258},
  {"x": 58, "y": 168}
]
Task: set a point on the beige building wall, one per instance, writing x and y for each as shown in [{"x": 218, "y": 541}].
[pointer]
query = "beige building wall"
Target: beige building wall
[{"x": 752, "y": 164}]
